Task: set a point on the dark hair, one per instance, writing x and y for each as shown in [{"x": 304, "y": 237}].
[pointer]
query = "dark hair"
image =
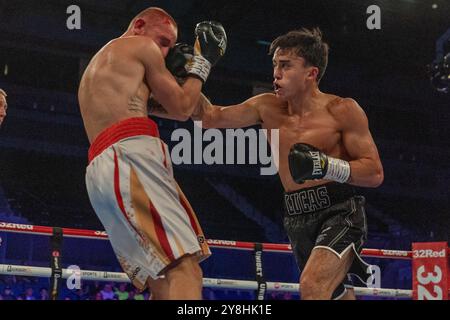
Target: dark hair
[{"x": 307, "y": 44}]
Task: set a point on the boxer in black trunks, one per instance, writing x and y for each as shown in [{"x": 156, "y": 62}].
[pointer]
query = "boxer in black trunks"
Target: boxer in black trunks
[{"x": 325, "y": 148}]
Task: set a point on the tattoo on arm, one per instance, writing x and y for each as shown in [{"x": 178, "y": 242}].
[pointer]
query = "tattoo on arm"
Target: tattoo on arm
[
  {"x": 155, "y": 108},
  {"x": 201, "y": 108}
]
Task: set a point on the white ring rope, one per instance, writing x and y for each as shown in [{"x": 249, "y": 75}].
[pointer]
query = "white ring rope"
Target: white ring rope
[{"x": 91, "y": 275}]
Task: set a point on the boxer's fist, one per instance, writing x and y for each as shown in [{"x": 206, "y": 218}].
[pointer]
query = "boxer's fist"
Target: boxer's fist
[
  {"x": 178, "y": 58},
  {"x": 210, "y": 41},
  {"x": 308, "y": 163},
  {"x": 210, "y": 46}
]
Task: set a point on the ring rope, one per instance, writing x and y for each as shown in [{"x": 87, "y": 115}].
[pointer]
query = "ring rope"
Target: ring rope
[
  {"x": 239, "y": 245},
  {"x": 91, "y": 275}
]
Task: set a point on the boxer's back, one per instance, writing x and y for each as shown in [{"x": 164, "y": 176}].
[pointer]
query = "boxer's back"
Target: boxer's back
[{"x": 112, "y": 87}]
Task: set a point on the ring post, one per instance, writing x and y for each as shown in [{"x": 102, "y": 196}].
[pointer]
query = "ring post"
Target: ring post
[{"x": 430, "y": 271}]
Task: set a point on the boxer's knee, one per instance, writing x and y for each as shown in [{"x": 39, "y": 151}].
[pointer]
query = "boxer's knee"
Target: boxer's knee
[
  {"x": 159, "y": 289},
  {"x": 315, "y": 287},
  {"x": 190, "y": 265},
  {"x": 187, "y": 267}
]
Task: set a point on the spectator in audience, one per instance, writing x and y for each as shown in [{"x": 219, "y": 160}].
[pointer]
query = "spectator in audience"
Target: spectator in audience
[
  {"x": 107, "y": 292},
  {"x": 43, "y": 294},
  {"x": 131, "y": 295},
  {"x": 98, "y": 296},
  {"x": 138, "y": 295},
  {"x": 3, "y": 106},
  {"x": 122, "y": 292},
  {"x": 29, "y": 294},
  {"x": 8, "y": 294},
  {"x": 135, "y": 295}
]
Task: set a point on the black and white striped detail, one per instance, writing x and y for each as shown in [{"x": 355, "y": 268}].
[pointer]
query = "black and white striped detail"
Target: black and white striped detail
[
  {"x": 200, "y": 67},
  {"x": 338, "y": 170}
]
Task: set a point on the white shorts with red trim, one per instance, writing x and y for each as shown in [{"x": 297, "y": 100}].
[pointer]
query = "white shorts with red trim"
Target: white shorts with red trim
[{"x": 148, "y": 219}]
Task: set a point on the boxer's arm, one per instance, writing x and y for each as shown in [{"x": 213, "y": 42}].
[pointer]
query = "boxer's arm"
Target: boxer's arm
[
  {"x": 366, "y": 168},
  {"x": 178, "y": 101},
  {"x": 236, "y": 116},
  {"x": 154, "y": 108}
]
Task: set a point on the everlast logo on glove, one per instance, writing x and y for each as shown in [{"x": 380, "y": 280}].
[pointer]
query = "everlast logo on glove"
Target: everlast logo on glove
[
  {"x": 317, "y": 166},
  {"x": 307, "y": 201},
  {"x": 222, "y": 46}
]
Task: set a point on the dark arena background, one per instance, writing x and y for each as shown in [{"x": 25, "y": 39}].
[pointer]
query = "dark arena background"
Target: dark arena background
[{"x": 398, "y": 73}]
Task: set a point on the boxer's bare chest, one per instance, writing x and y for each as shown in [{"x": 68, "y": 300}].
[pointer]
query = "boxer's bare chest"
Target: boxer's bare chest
[{"x": 318, "y": 128}]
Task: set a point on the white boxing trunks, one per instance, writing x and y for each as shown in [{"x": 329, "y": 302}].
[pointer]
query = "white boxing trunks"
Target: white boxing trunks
[{"x": 131, "y": 187}]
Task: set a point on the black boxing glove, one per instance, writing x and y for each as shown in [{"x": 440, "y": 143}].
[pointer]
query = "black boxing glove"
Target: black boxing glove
[
  {"x": 308, "y": 163},
  {"x": 177, "y": 59},
  {"x": 210, "y": 46}
]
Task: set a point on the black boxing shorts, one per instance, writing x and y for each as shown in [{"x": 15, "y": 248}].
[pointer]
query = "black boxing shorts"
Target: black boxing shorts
[{"x": 330, "y": 216}]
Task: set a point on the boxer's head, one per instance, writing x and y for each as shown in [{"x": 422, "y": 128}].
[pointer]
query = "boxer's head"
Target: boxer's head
[
  {"x": 3, "y": 105},
  {"x": 300, "y": 58},
  {"x": 156, "y": 24}
]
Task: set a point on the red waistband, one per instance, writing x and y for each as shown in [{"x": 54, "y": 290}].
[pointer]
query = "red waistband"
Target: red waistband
[{"x": 121, "y": 130}]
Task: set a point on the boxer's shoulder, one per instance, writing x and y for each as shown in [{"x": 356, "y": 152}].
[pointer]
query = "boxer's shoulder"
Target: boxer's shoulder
[
  {"x": 268, "y": 100},
  {"x": 345, "y": 109},
  {"x": 133, "y": 44}
]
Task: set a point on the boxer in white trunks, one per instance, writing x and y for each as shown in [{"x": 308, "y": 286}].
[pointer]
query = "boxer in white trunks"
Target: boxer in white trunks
[{"x": 151, "y": 225}]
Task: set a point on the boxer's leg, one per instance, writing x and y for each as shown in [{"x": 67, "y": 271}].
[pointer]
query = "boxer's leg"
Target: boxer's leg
[
  {"x": 185, "y": 279},
  {"x": 159, "y": 289},
  {"x": 323, "y": 273},
  {"x": 336, "y": 252},
  {"x": 164, "y": 216}
]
